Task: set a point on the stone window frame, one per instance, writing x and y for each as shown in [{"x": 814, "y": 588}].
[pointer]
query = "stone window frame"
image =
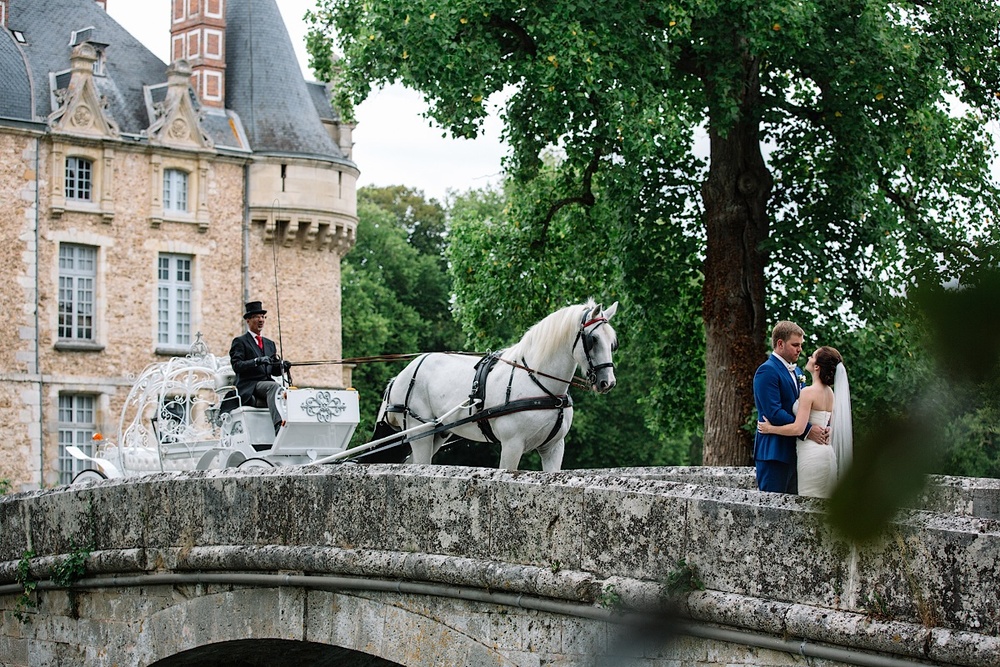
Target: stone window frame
[
  {"x": 77, "y": 279},
  {"x": 79, "y": 432},
  {"x": 196, "y": 253},
  {"x": 175, "y": 300},
  {"x": 79, "y": 178},
  {"x": 102, "y": 160},
  {"x": 196, "y": 168},
  {"x": 175, "y": 199},
  {"x": 102, "y": 244}
]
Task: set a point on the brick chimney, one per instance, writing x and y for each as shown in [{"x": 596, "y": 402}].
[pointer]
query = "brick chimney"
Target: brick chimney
[
  {"x": 3, "y": 13},
  {"x": 103, "y": 4},
  {"x": 198, "y": 35}
]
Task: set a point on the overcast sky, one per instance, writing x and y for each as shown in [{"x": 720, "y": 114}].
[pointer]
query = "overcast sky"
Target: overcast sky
[{"x": 394, "y": 144}]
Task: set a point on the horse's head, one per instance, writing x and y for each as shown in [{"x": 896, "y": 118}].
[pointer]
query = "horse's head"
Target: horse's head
[{"x": 595, "y": 344}]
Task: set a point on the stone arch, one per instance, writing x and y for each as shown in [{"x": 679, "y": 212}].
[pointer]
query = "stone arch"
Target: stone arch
[
  {"x": 205, "y": 626},
  {"x": 271, "y": 652}
]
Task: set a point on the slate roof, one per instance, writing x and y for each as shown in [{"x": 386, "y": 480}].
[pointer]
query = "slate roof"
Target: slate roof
[
  {"x": 269, "y": 103},
  {"x": 15, "y": 85},
  {"x": 321, "y": 100},
  {"x": 48, "y": 25},
  {"x": 265, "y": 86}
]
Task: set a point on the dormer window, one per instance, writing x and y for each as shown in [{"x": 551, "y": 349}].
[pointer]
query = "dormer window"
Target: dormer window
[
  {"x": 19, "y": 37},
  {"x": 78, "y": 37},
  {"x": 100, "y": 62}
]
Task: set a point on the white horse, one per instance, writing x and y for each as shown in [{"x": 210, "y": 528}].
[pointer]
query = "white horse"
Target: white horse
[{"x": 523, "y": 401}]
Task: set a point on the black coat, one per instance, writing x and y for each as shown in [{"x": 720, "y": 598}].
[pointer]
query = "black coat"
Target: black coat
[{"x": 243, "y": 354}]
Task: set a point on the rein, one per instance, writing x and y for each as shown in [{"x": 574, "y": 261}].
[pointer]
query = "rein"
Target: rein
[
  {"x": 577, "y": 381},
  {"x": 386, "y": 358}
]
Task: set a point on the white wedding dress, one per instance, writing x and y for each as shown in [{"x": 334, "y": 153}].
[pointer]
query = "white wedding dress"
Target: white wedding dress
[{"x": 816, "y": 464}]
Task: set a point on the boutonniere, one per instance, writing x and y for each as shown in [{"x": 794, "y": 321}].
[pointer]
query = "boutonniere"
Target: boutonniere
[{"x": 801, "y": 378}]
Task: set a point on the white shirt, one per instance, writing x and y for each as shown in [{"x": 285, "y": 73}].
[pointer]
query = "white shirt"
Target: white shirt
[{"x": 791, "y": 368}]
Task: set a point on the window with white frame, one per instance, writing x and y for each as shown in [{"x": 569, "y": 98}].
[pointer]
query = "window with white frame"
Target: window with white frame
[
  {"x": 77, "y": 279},
  {"x": 79, "y": 178},
  {"x": 174, "y": 300},
  {"x": 175, "y": 190},
  {"x": 76, "y": 427}
]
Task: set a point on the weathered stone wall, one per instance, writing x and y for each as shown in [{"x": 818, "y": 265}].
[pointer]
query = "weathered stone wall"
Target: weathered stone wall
[
  {"x": 769, "y": 563},
  {"x": 19, "y": 392}
]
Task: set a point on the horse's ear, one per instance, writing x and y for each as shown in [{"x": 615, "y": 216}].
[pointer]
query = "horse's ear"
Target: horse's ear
[{"x": 609, "y": 313}]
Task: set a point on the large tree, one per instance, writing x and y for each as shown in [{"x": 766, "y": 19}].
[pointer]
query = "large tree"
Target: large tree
[
  {"x": 846, "y": 138},
  {"x": 395, "y": 290}
]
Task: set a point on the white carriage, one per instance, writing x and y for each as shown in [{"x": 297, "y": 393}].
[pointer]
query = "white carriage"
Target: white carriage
[{"x": 177, "y": 417}]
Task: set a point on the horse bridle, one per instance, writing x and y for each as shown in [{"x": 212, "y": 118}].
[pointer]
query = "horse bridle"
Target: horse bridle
[{"x": 588, "y": 345}]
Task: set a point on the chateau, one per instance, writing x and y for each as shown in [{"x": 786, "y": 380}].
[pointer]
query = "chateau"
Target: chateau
[{"x": 142, "y": 204}]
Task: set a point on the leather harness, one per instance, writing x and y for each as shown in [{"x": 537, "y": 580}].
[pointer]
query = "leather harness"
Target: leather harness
[{"x": 484, "y": 366}]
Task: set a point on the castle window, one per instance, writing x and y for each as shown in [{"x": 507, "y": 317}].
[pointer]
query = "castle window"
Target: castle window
[
  {"x": 79, "y": 178},
  {"x": 173, "y": 304},
  {"x": 77, "y": 277},
  {"x": 175, "y": 190},
  {"x": 76, "y": 427}
]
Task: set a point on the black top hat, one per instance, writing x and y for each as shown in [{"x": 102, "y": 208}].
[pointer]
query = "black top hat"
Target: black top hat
[{"x": 253, "y": 308}]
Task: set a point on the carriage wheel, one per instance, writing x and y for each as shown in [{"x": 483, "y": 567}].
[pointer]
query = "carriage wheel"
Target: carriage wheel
[
  {"x": 89, "y": 476},
  {"x": 255, "y": 463}
]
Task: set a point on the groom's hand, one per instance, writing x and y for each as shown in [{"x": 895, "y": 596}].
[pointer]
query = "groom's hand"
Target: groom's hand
[{"x": 819, "y": 434}]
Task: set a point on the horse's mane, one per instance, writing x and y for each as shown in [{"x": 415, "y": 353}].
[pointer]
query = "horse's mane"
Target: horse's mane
[{"x": 551, "y": 333}]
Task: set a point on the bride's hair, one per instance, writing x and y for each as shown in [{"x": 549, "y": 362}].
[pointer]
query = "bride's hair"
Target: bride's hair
[{"x": 826, "y": 361}]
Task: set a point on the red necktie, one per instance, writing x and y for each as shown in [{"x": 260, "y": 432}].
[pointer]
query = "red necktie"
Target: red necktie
[{"x": 260, "y": 341}]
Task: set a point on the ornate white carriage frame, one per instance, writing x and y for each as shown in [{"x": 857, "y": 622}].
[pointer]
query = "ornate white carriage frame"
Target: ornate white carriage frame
[{"x": 174, "y": 420}]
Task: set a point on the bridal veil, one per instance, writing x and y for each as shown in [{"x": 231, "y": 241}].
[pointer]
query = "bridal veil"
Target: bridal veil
[{"x": 841, "y": 424}]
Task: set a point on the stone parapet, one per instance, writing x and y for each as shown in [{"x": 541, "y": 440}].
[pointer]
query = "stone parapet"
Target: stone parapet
[{"x": 768, "y": 562}]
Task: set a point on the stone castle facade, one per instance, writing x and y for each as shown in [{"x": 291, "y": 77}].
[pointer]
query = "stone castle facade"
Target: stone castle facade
[{"x": 142, "y": 204}]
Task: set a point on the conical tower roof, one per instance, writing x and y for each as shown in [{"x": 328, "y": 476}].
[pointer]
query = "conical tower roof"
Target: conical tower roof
[{"x": 265, "y": 86}]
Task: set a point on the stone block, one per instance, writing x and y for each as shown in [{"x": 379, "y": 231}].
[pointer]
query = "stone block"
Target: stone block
[
  {"x": 432, "y": 509},
  {"x": 520, "y": 504},
  {"x": 633, "y": 528},
  {"x": 771, "y": 546}
]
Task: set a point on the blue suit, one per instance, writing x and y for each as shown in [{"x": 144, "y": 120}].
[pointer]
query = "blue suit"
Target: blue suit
[{"x": 774, "y": 393}]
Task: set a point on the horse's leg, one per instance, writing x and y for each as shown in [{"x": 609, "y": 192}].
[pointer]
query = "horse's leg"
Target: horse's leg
[
  {"x": 552, "y": 455},
  {"x": 422, "y": 450},
  {"x": 439, "y": 441},
  {"x": 511, "y": 451}
]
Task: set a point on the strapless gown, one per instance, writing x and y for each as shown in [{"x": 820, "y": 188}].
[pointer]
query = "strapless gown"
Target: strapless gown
[{"x": 816, "y": 464}]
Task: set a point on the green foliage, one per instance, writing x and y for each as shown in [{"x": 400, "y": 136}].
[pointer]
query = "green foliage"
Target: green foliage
[
  {"x": 610, "y": 598},
  {"x": 877, "y": 606},
  {"x": 5, "y": 486},
  {"x": 72, "y": 568},
  {"x": 683, "y": 579},
  {"x": 66, "y": 572},
  {"x": 877, "y": 172},
  {"x": 505, "y": 281},
  {"x": 22, "y": 574},
  {"x": 396, "y": 290}
]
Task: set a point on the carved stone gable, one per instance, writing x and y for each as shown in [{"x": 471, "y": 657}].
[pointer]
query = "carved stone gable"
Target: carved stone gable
[
  {"x": 177, "y": 124},
  {"x": 82, "y": 109}
]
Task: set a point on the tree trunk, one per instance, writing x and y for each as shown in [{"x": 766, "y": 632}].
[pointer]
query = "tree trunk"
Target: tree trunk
[{"x": 736, "y": 195}]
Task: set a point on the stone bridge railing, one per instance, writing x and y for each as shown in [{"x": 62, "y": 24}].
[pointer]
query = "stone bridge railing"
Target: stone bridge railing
[{"x": 582, "y": 544}]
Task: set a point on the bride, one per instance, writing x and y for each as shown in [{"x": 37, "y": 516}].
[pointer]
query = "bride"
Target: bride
[{"x": 820, "y": 466}]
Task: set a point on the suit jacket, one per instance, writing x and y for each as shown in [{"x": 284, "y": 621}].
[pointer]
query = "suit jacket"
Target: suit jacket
[
  {"x": 242, "y": 354},
  {"x": 774, "y": 393}
]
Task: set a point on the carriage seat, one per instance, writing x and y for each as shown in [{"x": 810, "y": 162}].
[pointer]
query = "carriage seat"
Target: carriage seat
[{"x": 258, "y": 425}]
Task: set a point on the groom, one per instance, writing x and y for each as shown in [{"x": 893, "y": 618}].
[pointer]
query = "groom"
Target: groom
[{"x": 776, "y": 387}]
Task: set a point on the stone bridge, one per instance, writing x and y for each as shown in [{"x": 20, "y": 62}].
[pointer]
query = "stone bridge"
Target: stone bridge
[{"x": 426, "y": 565}]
